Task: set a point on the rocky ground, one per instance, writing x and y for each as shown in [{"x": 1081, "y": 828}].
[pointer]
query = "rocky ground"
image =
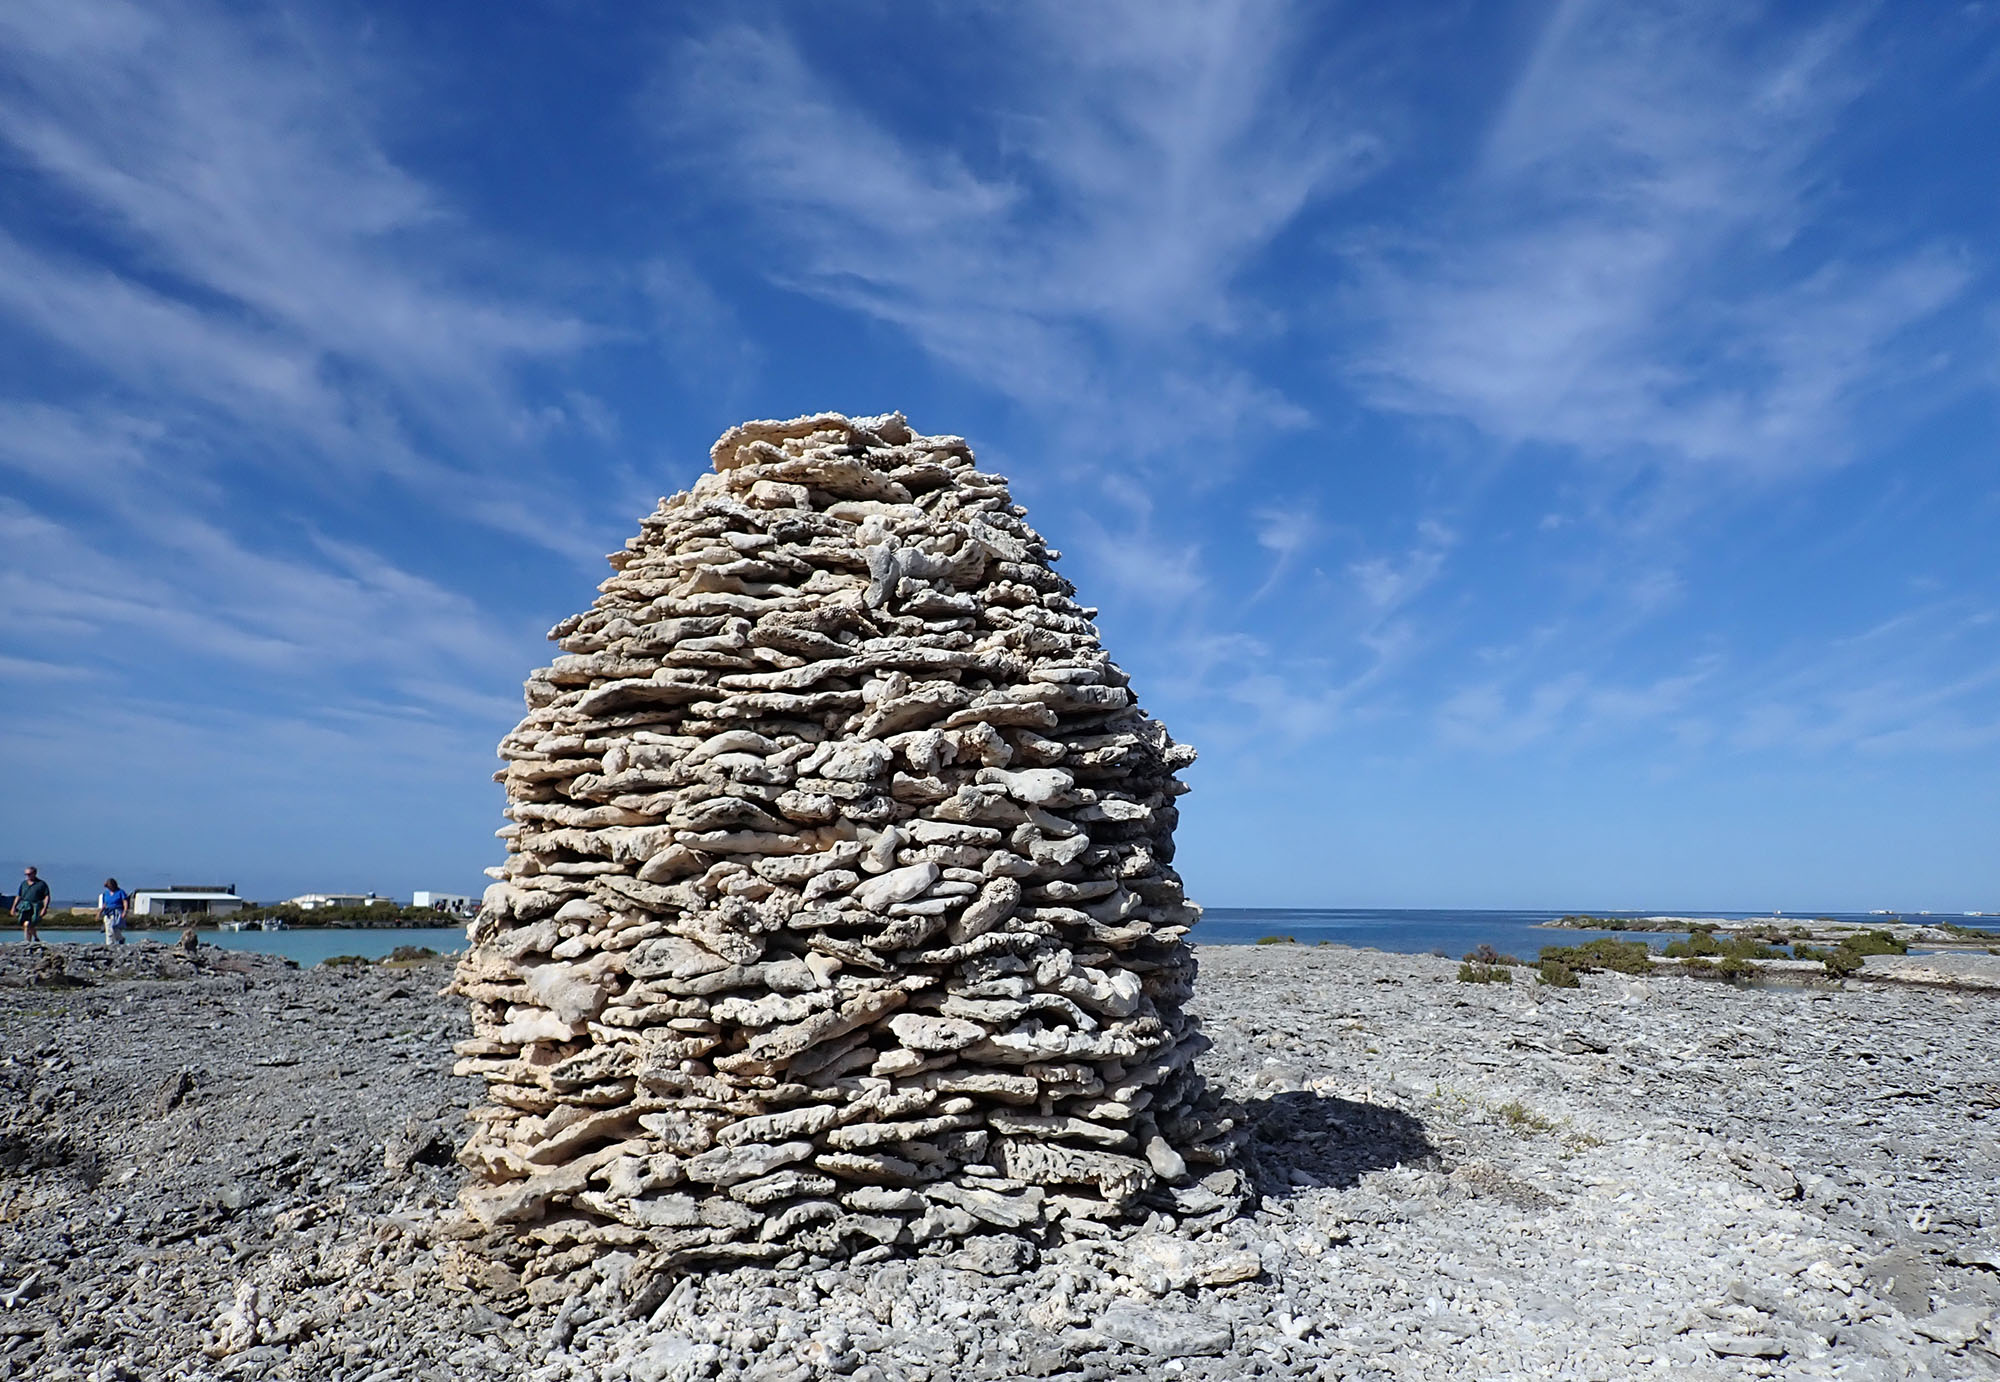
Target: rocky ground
[{"x": 220, "y": 1167}]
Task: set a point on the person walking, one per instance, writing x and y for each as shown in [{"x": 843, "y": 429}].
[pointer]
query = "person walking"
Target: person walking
[
  {"x": 31, "y": 904},
  {"x": 111, "y": 905}
]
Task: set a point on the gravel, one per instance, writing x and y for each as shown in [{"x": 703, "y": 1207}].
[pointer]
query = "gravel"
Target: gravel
[{"x": 217, "y": 1166}]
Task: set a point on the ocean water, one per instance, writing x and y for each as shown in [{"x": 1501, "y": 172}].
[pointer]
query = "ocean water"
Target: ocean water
[
  {"x": 1412, "y": 931},
  {"x": 1420, "y": 931}
]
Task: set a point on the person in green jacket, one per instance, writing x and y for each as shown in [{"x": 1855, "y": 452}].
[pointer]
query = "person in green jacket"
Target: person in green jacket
[{"x": 31, "y": 904}]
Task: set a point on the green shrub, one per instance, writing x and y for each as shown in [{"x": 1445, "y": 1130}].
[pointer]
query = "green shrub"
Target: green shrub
[
  {"x": 1735, "y": 967},
  {"x": 1967, "y": 933},
  {"x": 1277, "y": 940},
  {"x": 1774, "y": 935},
  {"x": 1474, "y": 973},
  {"x": 1626, "y": 957},
  {"x": 1841, "y": 962},
  {"x": 346, "y": 960},
  {"x": 1487, "y": 955},
  {"x": 1557, "y": 975},
  {"x": 1697, "y": 943},
  {"x": 1702, "y": 943},
  {"x": 1874, "y": 943}
]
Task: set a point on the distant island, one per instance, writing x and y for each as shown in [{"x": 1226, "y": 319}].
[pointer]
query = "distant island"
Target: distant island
[{"x": 1786, "y": 930}]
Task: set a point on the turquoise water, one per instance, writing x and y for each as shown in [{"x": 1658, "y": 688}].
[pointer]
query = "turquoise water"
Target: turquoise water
[
  {"x": 1412, "y": 931},
  {"x": 1419, "y": 932}
]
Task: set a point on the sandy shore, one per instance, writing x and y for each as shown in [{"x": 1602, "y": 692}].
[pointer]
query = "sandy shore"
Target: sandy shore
[{"x": 232, "y": 1169}]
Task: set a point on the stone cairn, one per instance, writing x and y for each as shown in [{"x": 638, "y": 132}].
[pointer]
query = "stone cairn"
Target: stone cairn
[{"x": 838, "y": 914}]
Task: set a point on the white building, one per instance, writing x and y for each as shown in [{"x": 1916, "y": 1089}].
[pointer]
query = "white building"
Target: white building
[
  {"x": 312, "y": 902},
  {"x": 453, "y": 904},
  {"x": 186, "y": 901}
]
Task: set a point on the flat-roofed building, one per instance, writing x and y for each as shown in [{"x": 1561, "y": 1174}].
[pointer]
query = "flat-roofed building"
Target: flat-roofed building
[
  {"x": 312, "y": 902},
  {"x": 452, "y": 904},
  {"x": 186, "y": 900}
]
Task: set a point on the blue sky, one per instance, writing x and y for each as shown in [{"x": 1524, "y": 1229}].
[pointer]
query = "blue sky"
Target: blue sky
[{"x": 1542, "y": 454}]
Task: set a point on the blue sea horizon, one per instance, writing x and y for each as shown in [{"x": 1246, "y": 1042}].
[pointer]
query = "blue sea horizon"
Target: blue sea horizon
[
  {"x": 1414, "y": 931},
  {"x": 1419, "y": 930}
]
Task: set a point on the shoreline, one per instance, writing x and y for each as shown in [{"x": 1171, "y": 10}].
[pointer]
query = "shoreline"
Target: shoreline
[
  {"x": 245, "y": 1170},
  {"x": 1929, "y": 935},
  {"x": 212, "y": 928}
]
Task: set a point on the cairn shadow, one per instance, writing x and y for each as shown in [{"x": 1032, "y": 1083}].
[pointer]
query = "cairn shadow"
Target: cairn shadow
[{"x": 1301, "y": 1141}]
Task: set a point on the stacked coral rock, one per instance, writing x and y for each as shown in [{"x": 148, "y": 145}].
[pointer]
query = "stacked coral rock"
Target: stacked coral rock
[{"x": 838, "y": 913}]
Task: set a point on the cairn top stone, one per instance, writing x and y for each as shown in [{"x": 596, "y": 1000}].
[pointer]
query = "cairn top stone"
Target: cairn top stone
[{"x": 838, "y": 916}]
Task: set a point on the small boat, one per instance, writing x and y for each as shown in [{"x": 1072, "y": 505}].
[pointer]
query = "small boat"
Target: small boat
[
  {"x": 236, "y": 926},
  {"x": 276, "y": 924}
]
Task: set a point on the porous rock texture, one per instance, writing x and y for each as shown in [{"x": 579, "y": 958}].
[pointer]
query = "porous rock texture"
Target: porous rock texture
[{"x": 839, "y": 914}]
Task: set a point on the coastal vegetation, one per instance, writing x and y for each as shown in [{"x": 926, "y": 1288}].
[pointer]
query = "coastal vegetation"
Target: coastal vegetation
[
  {"x": 1874, "y": 943},
  {"x": 1557, "y": 975},
  {"x": 1625, "y": 957},
  {"x": 1705, "y": 945},
  {"x": 1968, "y": 933},
  {"x": 1485, "y": 965},
  {"x": 1584, "y": 922},
  {"x": 384, "y": 913},
  {"x": 1840, "y": 962}
]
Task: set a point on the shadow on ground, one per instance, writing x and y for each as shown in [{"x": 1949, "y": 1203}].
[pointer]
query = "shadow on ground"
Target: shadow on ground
[
  {"x": 1301, "y": 1140},
  {"x": 24, "y": 1153}
]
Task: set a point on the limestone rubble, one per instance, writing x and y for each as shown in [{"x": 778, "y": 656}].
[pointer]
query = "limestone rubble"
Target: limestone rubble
[{"x": 838, "y": 913}]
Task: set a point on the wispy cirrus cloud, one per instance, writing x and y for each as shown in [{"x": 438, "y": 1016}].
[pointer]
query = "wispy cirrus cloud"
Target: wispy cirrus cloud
[
  {"x": 236, "y": 155},
  {"x": 1645, "y": 264},
  {"x": 1571, "y": 709},
  {"x": 1069, "y": 248},
  {"x": 264, "y": 366},
  {"x": 1923, "y": 680},
  {"x": 239, "y": 261}
]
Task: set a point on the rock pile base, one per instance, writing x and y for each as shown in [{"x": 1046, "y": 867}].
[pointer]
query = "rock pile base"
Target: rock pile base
[{"x": 838, "y": 913}]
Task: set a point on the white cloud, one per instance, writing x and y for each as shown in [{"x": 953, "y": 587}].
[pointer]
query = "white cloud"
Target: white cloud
[
  {"x": 1387, "y": 584},
  {"x": 1142, "y": 161},
  {"x": 231, "y": 250},
  {"x": 1627, "y": 273},
  {"x": 1287, "y": 533},
  {"x": 150, "y": 575},
  {"x": 1569, "y": 708},
  {"x": 31, "y": 669},
  {"x": 1923, "y": 680}
]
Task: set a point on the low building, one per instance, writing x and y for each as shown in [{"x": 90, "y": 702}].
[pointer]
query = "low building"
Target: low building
[
  {"x": 184, "y": 900},
  {"x": 312, "y": 902},
  {"x": 452, "y": 904}
]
